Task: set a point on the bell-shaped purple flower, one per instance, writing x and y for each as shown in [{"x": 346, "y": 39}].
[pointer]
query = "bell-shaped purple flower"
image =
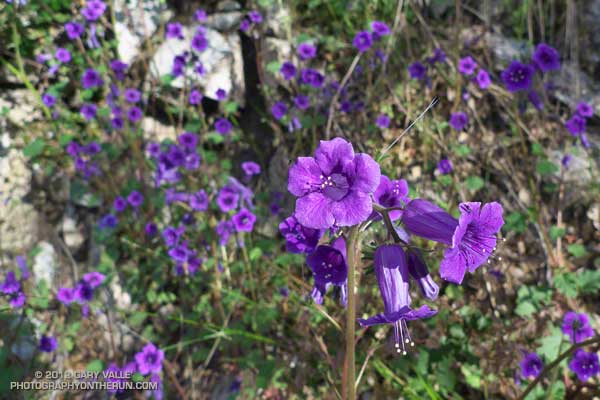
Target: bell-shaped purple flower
[
  {"x": 333, "y": 187},
  {"x": 577, "y": 327},
  {"x": 392, "y": 274},
  {"x": 531, "y": 365},
  {"x": 298, "y": 238},
  {"x": 328, "y": 265},
  {"x": 585, "y": 365},
  {"x": 391, "y": 194},
  {"x": 471, "y": 238},
  {"x": 419, "y": 272}
]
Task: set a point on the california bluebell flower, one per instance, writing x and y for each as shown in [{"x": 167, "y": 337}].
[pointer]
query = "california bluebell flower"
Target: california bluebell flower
[
  {"x": 174, "y": 30},
  {"x": 577, "y": 327},
  {"x": 585, "y": 365},
  {"x": 383, "y": 121},
  {"x": 48, "y": 344},
  {"x": 199, "y": 201},
  {"x": 576, "y": 125},
  {"x": 420, "y": 273},
  {"x": 328, "y": 265},
  {"x": 250, "y": 168},
  {"x": 363, "y": 41},
  {"x": 483, "y": 79},
  {"x": 278, "y": 110},
  {"x": 444, "y": 166},
  {"x": 65, "y": 295},
  {"x": 531, "y": 365},
  {"x": 417, "y": 70},
  {"x": 227, "y": 199},
  {"x": 306, "y": 51},
  {"x": 584, "y": 109},
  {"x": 223, "y": 126},
  {"x": 517, "y": 76},
  {"x": 288, "y": 70},
  {"x": 149, "y": 360},
  {"x": 458, "y": 120},
  {"x": 298, "y": 238},
  {"x": 391, "y": 194},
  {"x": 546, "y": 58},
  {"x": 467, "y": 65},
  {"x": 334, "y": 187},
  {"x": 244, "y": 220},
  {"x": 11, "y": 284}
]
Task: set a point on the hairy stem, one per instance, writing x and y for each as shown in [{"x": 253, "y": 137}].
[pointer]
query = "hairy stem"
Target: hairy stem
[
  {"x": 555, "y": 363},
  {"x": 351, "y": 314}
]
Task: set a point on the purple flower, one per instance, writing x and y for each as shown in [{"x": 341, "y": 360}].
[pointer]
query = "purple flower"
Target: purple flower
[
  {"x": 200, "y": 15},
  {"x": 302, "y": 102},
  {"x": 306, "y": 51},
  {"x": 224, "y": 229},
  {"x": 109, "y": 221},
  {"x": 199, "y": 43},
  {"x": 328, "y": 265},
  {"x": 483, "y": 79},
  {"x": 48, "y": 100},
  {"x": 585, "y": 365},
  {"x": 298, "y": 238},
  {"x": 312, "y": 77},
  {"x": 119, "y": 204},
  {"x": 467, "y": 65},
  {"x": 92, "y": 148},
  {"x": 135, "y": 198},
  {"x": 65, "y": 295},
  {"x": 88, "y": 111},
  {"x": 176, "y": 155},
  {"x": 179, "y": 63},
  {"x": 74, "y": 30},
  {"x": 383, "y": 121},
  {"x": 134, "y": 114},
  {"x": 250, "y": 168},
  {"x": 63, "y": 55},
  {"x": 48, "y": 344},
  {"x": 93, "y": 10},
  {"x": 132, "y": 95},
  {"x": 577, "y": 327},
  {"x": 84, "y": 293},
  {"x": 91, "y": 78},
  {"x": 380, "y": 29},
  {"x": 417, "y": 70},
  {"x": 584, "y": 140},
  {"x": 531, "y": 366},
  {"x": 334, "y": 187},
  {"x": 119, "y": 68},
  {"x": 392, "y": 275},
  {"x": 151, "y": 229},
  {"x": 180, "y": 253},
  {"x": 245, "y": 193},
  {"x": 153, "y": 149},
  {"x": 16, "y": 300},
  {"x": 221, "y": 94},
  {"x": 199, "y": 201},
  {"x": 546, "y": 58},
  {"x": 576, "y": 125},
  {"x": 94, "y": 279},
  {"x": 444, "y": 166},
  {"x": 22, "y": 263},
  {"x": 566, "y": 160},
  {"x": 244, "y": 220},
  {"x": 517, "y": 76},
  {"x": 278, "y": 110},
  {"x": 288, "y": 70},
  {"x": 420, "y": 273},
  {"x": 223, "y": 126},
  {"x": 149, "y": 360},
  {"x": 391, "y": 194},
  {"x": 195, "y": 97},
  {"x": 117, "y": 123},
  {"x": 363, "y": 41},
  {"x": 244, "y": 25},
  {"x": 174, "y": 30},
  {"x": 188, "y": 140},
  {"x": 534, "y": 98},
  {"x": 458, "y": 120},
  {"x": 255, "y": 16},
  {"x": 171, "y": 235},
  {"x": 584, "y": 109},
  {"x": 471, "y": 238},
  {"x": 227, "y": 199},
  {"x": 11, "y": 284},
  {"x": 438, "y": 56}
]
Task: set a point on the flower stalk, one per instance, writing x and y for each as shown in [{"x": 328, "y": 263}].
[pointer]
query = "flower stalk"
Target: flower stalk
[{"x": 353, "y": 251}]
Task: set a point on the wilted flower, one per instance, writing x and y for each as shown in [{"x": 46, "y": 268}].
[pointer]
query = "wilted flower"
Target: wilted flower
[
  {"x": 534, "y": 98},
  {"x": 334, "y": 187},
  {"x": 11, "y": 284}
]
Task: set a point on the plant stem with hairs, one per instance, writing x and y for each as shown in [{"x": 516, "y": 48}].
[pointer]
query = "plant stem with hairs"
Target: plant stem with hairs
[{"x": 353, "y": 252}]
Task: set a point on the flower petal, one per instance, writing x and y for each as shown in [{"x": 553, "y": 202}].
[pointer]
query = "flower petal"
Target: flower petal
[
  {"x": 333, "y": 154},
  {"x": 363, "y": 173},
  {"x": 490, "y": 218},
  {"x": 304, "y": 176},
  {"x": 425, "y": 219},
  {"x": 353, "y": 209},
  {"x": 314, "y": 211},
  {"x": 453, "y": 266},
  {"x": 374, "y": 320}
]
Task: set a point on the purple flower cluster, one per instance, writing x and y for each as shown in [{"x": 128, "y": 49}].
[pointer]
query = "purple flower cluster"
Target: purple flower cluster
[
  {"x": 12, "y": 287},
  {"x": 173, "y": 159},
  {"x": 253, "y": 18},
  {"x": 84, "y": 158},
  {"x": 83, "y": 292},
  {"x": 576, "y": 125}
]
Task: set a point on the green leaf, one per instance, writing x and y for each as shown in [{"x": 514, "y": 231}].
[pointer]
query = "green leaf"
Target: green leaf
[
  {"x": 95, "y": 366},
  {"x": 215, "y": 137},
  {"x": 475, "y": 183},
  {"x": 166, "y": 80},
  {"x": 34, "y": 148},
  {"x": 537, "y": 149},
  {"x": 589, "y": 281},
  {"x": 255, "y": 253},
  {"x": 516, "y": 221},
  {"x": 65, "y": 139},
  {"x": 230, "y": 107},
  {"x": 472, "y": 375},
  {"x": 577, "y": 250},
  {"x": 566, "y": 283},
  {"x": 525, "y": 309},
  {"x": 556, "y": 232},
  {"x": 274, "y": 67},
  {"x": 550, "y": 344},
  {"x": 444, "y": 180},
  {"x": 545, "y": 167},
  {"x": 462, "y": 150}
]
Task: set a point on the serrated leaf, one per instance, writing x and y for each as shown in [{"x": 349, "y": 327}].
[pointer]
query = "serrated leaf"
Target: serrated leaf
[
  {"x": 525, "y": 309},
  {"x": 566, "y": 283},
  {"x": 577, "y": 250}
]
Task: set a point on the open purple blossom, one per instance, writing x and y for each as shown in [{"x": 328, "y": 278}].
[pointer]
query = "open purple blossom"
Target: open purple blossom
[
  {"x": 172, "y": 235},
  {"x": 93, "y": 10},
  {"x": 278, "y": 110},
  {"x": 380, "y": 29},
  {"x": 223, "y": 126},
  {"x": 245, "y": 25},
  {"x": 195, "y": 97},
  {"x": 306, "y": 51},
  {"x": 73, "y": 30},
  {"x": 312, "y": 77},
  {"x": 84, "y": 293},
  {"x": 94, "y": 279},
  {"x": 250, "y": 168},
  {"x": 224, "y": 229},
  {"x": 199, "y": 43},
  {"x": 363, "y": 41},
  {"x": 584, "y": 109},
  {"x": 119, "y": 204},
  {"x": 88, "y": 111},
  {"x": 328, "y": 265},
  {"x": 576, "y": 125},
  {"x": 188, "y": 140},
  {"x": 135, "y": 198},
  {"x": 483, "y": 79},
  {"x": 298, "y": 238},
  {"x": 458, "y": 120},
  {"x": 334, "y": 186},
  {"x": 174, "y": 30},
  {"x": 227, "y": 199},
  {"x": 471, "y": 238},
  {"x": 65, "y": 295},
  {"x": 11, "y": 284},
  {"x": 48, "y": 100},
  {"x": 302, "y": 102},
  {"x": 392, "y": 275},
  {"x": 467, "y": 65},
  {"x": 199, "y": 201},
  {"x": 109, "y": 221},
  {"x": 134, "y": 114},
  {"x": 221, "y": 94},
  {"x": 577, "y": 327},
  {"x": 417, "y": 70},
  {"x": 418, "y": 270},
  {"x": 91, "y": 79},
  {"x": 383, "y": 121},
  {"x": 534, "y": 98},
  {"x": 517, "y": 76},
  {"x": 546, "y": 58},
  {"x": 132, "y": 95},
  {"x": 48, "y": 344},
  {"x": 244, "y": 220},
  {"x": 63, "y": 55},
  {"x": 444, "y": 166},
  {"x": 288, "y": 70},
  {"x": 255, "y": 17},
  {"x": 151, "y": 229},
  {"x": 149, "y": 360},
  {"x": 391, "y": 194},
  {"x": 531, "y": 366},
  {"x": 200, "y": 15},
  {"x": 585, "y": 365},
  {"x": 245, "y": 193}
]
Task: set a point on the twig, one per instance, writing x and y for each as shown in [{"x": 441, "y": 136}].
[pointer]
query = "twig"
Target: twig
[{"x": 337, "y": 94}]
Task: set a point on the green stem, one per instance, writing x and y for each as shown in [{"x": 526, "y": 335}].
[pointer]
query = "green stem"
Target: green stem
[
  {"x": 353, "y": 251},
  {"x": 555, "y": 363}
]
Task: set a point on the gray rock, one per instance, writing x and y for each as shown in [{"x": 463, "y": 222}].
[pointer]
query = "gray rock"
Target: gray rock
[
  {"x": 72, "y": 231},
  {"x": 44, "y": 264}
]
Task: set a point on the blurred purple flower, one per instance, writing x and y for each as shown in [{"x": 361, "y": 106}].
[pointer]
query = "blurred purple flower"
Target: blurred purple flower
[
  {"x": 328, "y": 265},
  {"x": 467, "y": 65},
  {"x": 483, "y": 79},
  {"x": 48, "y": 344},
  {"x": 74, "y": 30},
  {"x": 134, "y": 114},
  {"x": 200, "y": 15},
  {"x": 199, "y": 201},
  {"x": 584, "y": 109},
  {"x": 577, "y": 327},
  {"x": 88, "y": 111},
  {"x": 298, "y": 238},
  {"x": 224, "y": 229},
  {"x": 288, "y": 70},
  {"x": 149, "y": 360},
  {"x": 151, "y": 229},
  {"x": 444, "y": 166},
  {"x": 535, "y": 99},
  {"x": 546, "y": 58},
  {"x": 380, "y": 29},
  {"x": 250, "y": 168},
  {"x": 417, "y": 70},
  {"x": 575, "y": 125},
  {"x": 63, "y": 55},
  {"x": 119, "y": 204},
  {"x": 383, "y": 121},
  {"x": 91, "y": 78},
  {"x": 585, "y": 365},
  {"x": 109, "y": 221},
  {"x": 531, "y": 366},
  {"x": 11, "y": 284},
  {"x": 458, "y": 120},
  {"x": 135, "y": 198},
  {"x": 278, "y": 110},
  {"x": 302, "y": 102},
  {"x": 306, "y": 51},
  {"x": 227, "y": 199},
  {"x": 517, "y": 76},
  {"x": 223, "y": 126},
  {"x": 199, "y": 43},
  {"x": 363, "y": 41},
  {"x": 174, "y": 30},
  {"x": 195, "y": 97},
  {"x": 94, "y": 279},
  {"x": 65, "y": 295},
  {"x": 48, "y": 100},
  {"x": 244, "y": 220}
]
